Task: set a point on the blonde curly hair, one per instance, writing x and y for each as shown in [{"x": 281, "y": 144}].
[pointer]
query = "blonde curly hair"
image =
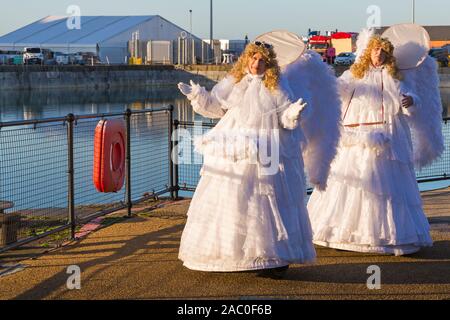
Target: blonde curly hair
[
  {"x": 360, "y": 68},
  {"x": 272, "y": 74}
]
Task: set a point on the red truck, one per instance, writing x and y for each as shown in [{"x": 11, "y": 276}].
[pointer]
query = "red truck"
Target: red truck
[{"x": 320, "y": 44}]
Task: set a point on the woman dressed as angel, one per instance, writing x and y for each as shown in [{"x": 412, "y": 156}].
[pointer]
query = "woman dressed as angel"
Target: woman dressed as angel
[
  {"x": 249, "y": 209},
  {"x": 372, "y": 202}
]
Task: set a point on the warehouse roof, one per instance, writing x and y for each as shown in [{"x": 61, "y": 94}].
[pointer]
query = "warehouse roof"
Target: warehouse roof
[{"x": 54, "y": 30}]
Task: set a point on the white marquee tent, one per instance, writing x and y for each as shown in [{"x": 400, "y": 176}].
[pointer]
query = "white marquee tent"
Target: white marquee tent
[{"x": 105, "y": 36}]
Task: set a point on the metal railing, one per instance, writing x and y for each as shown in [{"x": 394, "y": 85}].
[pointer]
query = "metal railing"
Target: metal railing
[
  {"x": 188, "y": 171},
  {"x": 46, "y": 172},
  {"x": 440, "y": 169},
  {"x": 189, "y": 177}
]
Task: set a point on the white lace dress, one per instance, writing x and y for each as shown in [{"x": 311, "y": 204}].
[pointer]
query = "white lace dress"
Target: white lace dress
[
  {"x": 245, "y": 215},
  {"x": 372, "y": 202}
]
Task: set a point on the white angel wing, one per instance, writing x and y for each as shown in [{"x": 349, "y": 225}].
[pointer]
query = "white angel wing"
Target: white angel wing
[
  {"x": 426, "y": 121},
  {"x": 314, "y": 81}
]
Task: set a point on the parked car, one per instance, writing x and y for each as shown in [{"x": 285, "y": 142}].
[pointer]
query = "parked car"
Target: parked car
[{"x": 345, "y": 59}]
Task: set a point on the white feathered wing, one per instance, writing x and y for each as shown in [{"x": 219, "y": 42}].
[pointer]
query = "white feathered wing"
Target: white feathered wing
[
  {"x": 363, "y": 41},
  {"x": 314, "y": 81},
  {"x": 426, "y": 121}
]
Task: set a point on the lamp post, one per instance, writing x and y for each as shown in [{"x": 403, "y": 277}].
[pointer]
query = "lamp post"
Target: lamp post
[
  {"x": 413, "y": 11},
  {"x": 211, "y": 28},
  {"x": 190, "y": 22},
  {"x": 190, "y": 46}
]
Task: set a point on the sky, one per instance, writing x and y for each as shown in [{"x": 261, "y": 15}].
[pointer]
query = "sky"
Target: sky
[{"x": 233, "y": 19}]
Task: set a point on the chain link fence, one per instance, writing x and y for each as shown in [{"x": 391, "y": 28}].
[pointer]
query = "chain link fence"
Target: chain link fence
[
  {"x": 440, "y": 169},
  {"x": 189, "y": 173},
  {"x": 46, "y": 170}
]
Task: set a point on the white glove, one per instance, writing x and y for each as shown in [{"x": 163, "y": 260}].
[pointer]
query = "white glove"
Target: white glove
[
  {"x": 190, "y": 91},
  {"x": 185, "y": 88},
  {"x": 294, "y": 111}
]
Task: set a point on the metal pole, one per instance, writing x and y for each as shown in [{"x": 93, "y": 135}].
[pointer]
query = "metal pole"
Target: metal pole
[
  {"x": 179, "y": 50},
  {"x": 190, "y": 37},
  {"x": 70, "y": 172},
  {"x": 128, "y": 160},
  {"x": 211, "y": 22},
  {"x": 175, "y": 155},
  {"x": 193, "y": 56},
  {"x": 211, "y": 30},
  {"x": 183, "y": 53},
  {"x": 413, "y": 11},
  {"x": 171, "y": 163},
  {"x": 190, "y": 22}
]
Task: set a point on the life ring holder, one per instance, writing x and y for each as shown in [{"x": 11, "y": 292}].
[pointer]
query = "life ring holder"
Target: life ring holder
[{"x": 109, "y": 155}]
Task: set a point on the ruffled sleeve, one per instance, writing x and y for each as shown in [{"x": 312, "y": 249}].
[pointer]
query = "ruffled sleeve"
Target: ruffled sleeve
[
  {"x": 346, "y": 86},
  {"x": 211, "y": 104}
]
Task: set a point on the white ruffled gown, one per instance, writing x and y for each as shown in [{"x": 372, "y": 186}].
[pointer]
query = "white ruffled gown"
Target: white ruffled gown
[
  {"x": 240, "y": 219},
  {"x": 372, "y": 202}
]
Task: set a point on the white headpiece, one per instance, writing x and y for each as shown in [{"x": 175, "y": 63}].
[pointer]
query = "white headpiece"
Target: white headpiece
[
  {"x": 287, "y": 45},
  {"x": 363, "y": 41},
  {"x": 411, "y": 43}
]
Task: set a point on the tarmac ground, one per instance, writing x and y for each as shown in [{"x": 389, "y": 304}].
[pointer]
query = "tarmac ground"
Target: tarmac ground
[{"x": 137, "y": 258}]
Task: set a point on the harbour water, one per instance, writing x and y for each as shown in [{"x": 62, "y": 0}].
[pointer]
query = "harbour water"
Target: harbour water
[{"x": 39, "y": 104}]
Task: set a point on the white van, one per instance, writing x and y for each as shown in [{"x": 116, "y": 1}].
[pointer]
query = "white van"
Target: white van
[{"x": 33, "y": 56}]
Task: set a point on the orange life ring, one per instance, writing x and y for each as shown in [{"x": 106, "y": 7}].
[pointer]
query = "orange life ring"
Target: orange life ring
[{"x": 109, "y": 155}]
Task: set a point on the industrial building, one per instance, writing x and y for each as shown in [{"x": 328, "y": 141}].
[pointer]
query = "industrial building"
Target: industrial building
[{"x": 114, "y": 39}]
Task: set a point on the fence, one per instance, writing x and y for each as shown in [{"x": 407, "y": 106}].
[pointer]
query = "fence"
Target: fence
[
  {"x": 46, "y": 170},
  {"x": 440, "y": 169},
  {"x": 188, "y": 173}
]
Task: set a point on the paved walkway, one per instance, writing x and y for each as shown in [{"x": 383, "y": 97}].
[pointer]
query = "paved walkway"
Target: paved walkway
[{"x": 137, "y": 259}]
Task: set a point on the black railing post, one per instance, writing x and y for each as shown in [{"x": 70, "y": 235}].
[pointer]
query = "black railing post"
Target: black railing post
[
  {"x": 71, "y": 175},
  {"x": 128, "y": 160},
  {"x": 175, "y": 160},
  {"x": 172, "y": 185}
]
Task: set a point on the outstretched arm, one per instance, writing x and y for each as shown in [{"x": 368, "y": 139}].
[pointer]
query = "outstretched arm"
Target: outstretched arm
[
  {"x": 202, "y": 101},
  {"x": 345, "y": 87}
]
